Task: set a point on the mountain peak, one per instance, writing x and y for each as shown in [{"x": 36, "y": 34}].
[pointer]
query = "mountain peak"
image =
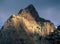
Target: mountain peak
[
  {"x": 31, "y": 9},
  {"x": 26, "y": 27}
]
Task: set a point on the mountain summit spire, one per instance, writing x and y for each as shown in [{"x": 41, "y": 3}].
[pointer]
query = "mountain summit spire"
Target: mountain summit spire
[
  {"x": 30, "y": 7},
  {"x": 31, "y": 10}
]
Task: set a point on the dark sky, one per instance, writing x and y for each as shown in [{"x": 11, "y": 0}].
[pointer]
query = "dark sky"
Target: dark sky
[{"x": 48, "y": 9}]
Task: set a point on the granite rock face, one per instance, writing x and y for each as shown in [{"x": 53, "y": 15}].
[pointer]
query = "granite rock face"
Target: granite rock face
[{"x": 26, "y": 27}]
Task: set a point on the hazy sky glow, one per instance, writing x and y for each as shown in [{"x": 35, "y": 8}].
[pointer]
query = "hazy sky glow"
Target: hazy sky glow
[{"x": 48, "y": 9}]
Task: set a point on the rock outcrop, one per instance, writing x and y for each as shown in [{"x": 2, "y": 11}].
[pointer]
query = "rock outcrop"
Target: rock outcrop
[
  {"x": 58, "y": 27},
  {"x": 26, "y": 27}
]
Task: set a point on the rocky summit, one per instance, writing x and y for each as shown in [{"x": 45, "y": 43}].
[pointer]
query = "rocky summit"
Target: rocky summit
[{"x": 27, "y": 27}]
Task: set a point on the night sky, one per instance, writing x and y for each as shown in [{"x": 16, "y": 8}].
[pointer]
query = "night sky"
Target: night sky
[{"x": 48, "y": 9}]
